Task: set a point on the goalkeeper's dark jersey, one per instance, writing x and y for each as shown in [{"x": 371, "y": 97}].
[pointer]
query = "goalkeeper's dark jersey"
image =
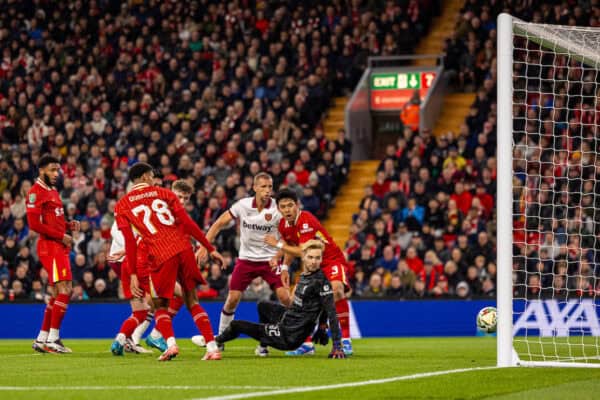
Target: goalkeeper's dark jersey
[{"x": 313, "y": 298}]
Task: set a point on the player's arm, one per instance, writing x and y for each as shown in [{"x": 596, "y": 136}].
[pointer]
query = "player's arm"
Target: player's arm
[
  {"x": 328, "y": 308},
  {"x": 190, "y": 227},
  {"x": 221, "y": 222},
  {"x": 34, "y": 220},
  {"x": 293, "y": 250}
]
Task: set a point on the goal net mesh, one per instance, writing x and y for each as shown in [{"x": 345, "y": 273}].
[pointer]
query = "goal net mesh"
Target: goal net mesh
[{"x": 556, "y": 193}]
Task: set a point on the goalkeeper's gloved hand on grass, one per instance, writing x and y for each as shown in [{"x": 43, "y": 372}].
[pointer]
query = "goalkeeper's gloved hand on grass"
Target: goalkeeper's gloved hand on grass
[
  {"x": 337, "y": 351},
  {"x": 321, "y": 336}
]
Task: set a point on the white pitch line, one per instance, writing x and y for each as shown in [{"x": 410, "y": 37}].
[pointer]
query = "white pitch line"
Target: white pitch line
[
  {"x": 139, "y": 387},
  {"x": 344, "y": 385}
]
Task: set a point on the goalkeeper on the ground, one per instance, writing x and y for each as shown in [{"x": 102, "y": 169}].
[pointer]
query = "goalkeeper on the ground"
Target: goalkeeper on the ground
[{"x": 286, "y": 328}]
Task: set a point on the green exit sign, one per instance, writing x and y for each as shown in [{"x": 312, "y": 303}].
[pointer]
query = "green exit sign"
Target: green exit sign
[{"x": 409, "y": 80}]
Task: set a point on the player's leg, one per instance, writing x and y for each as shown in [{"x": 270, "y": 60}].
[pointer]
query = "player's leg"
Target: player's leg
[
  {"x": 274, "y": 281},
  {"x": 39, "y": 344},
  {"x": 59, "y": 309},
  {"x": 270, "y": 334},
  {"x": 155, "y": 339},
  {"x": 268, "y": 313},
  {"x": 240, "y": 279},
  {"x": 63, "y": 286},
  {"x": 189, "y": 278},
  {"x": 162, "y": 284},
  {"x": 342, "y": 309},
  {"x": 139, "y": 313}
]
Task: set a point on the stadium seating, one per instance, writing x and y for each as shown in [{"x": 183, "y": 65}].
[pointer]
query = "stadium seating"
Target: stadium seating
[
  {"x": 431, "y": 209},
  {"x": 211, "y": 94}
]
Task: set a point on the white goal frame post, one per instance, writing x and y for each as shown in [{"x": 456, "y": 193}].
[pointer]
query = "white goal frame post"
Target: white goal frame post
[{"x": 547, "y": 37}]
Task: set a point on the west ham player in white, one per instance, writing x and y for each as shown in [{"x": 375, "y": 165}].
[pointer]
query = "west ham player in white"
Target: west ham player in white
[{"x": 258, "y": 216}]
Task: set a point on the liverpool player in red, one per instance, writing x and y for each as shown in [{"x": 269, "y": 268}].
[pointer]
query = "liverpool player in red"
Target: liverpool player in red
[
  {"x": 45, "y": 215},
  {"x": 297, "y": 227},
  {"x": 159, "y": 218}
]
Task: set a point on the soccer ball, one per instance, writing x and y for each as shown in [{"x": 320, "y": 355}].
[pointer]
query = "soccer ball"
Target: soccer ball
[{"x": 486, "y": 320}]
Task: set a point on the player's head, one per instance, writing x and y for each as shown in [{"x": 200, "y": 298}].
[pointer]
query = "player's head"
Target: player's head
[
  {"x": 49, "y": 167},
  {"x": 312, "y": 254},
  {"x": 263, "y": 185},
  {"x": 141, "y": 172},
  {"x": 182, "y": 190},
  {"x": 287, "y": 202}
]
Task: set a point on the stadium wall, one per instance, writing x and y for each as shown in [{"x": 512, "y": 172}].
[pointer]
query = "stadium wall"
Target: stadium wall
[{"x": 377, "y": 318}]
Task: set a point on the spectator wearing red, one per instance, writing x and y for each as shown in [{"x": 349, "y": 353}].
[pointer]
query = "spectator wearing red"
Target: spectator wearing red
[
  {"x": 462, "y": 197},
  {"x": 414, "y": 261},
  {"x": 381, "y": 185}
]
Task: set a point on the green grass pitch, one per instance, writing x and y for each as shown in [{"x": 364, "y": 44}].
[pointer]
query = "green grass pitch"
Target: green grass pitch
[{"x": 91, "y": 372}]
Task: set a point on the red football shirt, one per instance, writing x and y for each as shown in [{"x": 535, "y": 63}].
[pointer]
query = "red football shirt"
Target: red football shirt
[
  {"x": 308, "y": 227},
  {"x": 151, "y": 211},
  {"x": 46, "y": 216}
]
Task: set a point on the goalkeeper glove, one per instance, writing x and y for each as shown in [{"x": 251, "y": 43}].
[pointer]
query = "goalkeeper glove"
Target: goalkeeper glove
[
  {"x": 321, "y": 336},
  {"x": 337, "y": 351}
]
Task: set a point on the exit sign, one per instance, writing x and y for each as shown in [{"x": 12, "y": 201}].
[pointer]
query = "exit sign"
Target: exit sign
[
  {"x": 411, "y": 80},
  {"x": 390, "y": 91}
]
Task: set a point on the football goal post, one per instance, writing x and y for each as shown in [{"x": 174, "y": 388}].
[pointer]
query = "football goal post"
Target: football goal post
[{"x": 548, "y": 202}]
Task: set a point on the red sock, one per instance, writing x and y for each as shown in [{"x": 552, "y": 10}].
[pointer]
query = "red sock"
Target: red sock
[
  {"x": 47, "y": 316},
  {"x": 202, "y": 322},
  {"x": 59, "y": 309},
  {"x": 132, "y": 322},
  {"x": 164, "y": 324},
  {"x": 308, "y": 340},
  {"x": 175, "y": 305},
  {"x": 342, "y": 309}
]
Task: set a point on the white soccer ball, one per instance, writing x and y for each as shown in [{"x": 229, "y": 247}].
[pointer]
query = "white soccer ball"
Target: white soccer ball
[
  {"x": 487, "y": 319},
  {"x": 199, "y": 340}
]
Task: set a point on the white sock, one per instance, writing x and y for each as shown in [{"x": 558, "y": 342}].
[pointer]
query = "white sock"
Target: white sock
[
  {"x": 171, "y": 342},
  {"x": 155, "y": 334},
  {"x": 310, "y": 344},
  {"x": 121, "y": 338},
  {"x": 224, "y": 321},
  {"x": 211, "y": 346},
  {"x": 137, "y": 334},
  {"x": 42, "y": 336},
  {"x": 53, "y": 335}
]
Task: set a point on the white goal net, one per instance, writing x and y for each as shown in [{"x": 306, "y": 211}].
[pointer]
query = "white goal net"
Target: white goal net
[{"x": 549, "y": 194}]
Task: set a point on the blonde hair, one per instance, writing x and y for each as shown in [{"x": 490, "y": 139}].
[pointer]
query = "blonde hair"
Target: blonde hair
[
  {"x": 182, "y": 186},
  {"x": 313, "y": 244},
  {"x": 261, "y": 175}
]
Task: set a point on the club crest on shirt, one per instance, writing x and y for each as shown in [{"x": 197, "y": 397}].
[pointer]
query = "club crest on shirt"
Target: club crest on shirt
[
  {"x": 268, "y": 217},
  {"x": 32, "y": 197}
]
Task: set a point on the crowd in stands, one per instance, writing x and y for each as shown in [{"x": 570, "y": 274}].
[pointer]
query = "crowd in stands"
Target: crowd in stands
[
  {"x": 426, "y": 227},
  {"x": 212, "y": 92}
]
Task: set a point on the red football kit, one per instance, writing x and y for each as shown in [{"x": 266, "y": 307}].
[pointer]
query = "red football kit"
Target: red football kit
[
  {"x": 308, "y": 227},
  {"x": 160, "y": 219},
  {"x": 45, "y": 215}
]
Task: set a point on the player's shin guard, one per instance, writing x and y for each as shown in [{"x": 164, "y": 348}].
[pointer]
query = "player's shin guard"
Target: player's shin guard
[
  {"x": 164, "y": 325},
  {"x": 202, "y": 322},
  {"x": 175, "y": 305},
  {"x": 43, "y": 335},
  {"x": 132, "y": 322},
  {"x": 226, "y": 318},
  {"x": 342, "y": 309},
  {"x": 59, "y": 309}
]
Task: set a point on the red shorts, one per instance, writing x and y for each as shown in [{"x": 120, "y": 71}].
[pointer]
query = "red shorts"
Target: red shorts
[
  {"x": 57, "y": 266},
  {"x": 245, "y": 271},
  {"x": 190, "y": 276},
  {"x": 336, "y": 272},
  {"x": 163, "y": 277},
  {"x": 143, "y": 278}
]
